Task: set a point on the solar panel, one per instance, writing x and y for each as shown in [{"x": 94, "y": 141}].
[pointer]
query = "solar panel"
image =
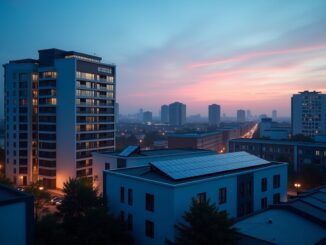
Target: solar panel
[
  {"x": 129, "y": 150},
  {"x": 209, "y": 164}
]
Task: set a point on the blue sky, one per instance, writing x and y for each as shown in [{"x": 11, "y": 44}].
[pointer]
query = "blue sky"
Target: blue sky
[{"x": 240, "y": 54}]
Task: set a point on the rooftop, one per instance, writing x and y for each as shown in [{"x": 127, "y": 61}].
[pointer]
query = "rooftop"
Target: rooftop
[
  {"x": 194, "y": 135},
  {"x": 9, "y": 195},
  {"x": 280, "y": 226},
  {"x": 299, "y": 221},
  {"x": 185, "y": 169},
  {"x": 158, "y": 152},
  {"x": 280, "y": 142}
]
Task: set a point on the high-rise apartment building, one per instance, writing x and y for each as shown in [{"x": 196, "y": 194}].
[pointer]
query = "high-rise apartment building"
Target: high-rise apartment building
[
  {"x": 241, "y": 115},
  {"x": 165, "y": 114},
  {"x": 308, "y": 111},
  {"x": 147, "y": 116},
  {"x": 274, "y": 115},
  {"x": 177, "y": 114},
  {"x": 214, "y": 114},
  {"x": 58, "y": 109}
]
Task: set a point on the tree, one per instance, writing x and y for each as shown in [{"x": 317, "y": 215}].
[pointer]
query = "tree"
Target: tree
[
  {"x": 204, "y": 225},
  {"x": 5, "y": 181},
  {"x": 79, "y": 196},
  {"x": 41, "y": 197},
  {"x": 85, "y": 219}
]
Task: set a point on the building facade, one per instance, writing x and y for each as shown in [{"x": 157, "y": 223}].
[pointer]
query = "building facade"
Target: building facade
[
  {"x": 308, "y": 113},
  {"x": 177, "y": 114},
  {"x": 65, "y": 113},
  {"x": 296, "y": 153},
  {"x": 17, "y": 217},
  {"x": 152, "y": 199},
  {"x": 165, "y": 114},
  {"x": 147, "y": 116},
  {"x": 214, "y": 114},
  {"x": 205, "y": 140},
  {"x": 241, "y": 115},
  {"x": 135, "y": 158}
]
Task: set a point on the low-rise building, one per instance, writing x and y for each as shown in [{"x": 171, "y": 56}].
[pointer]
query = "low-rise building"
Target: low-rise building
[
  {"x": 202, "y": 140},
  {"x": 153, "y": 198},
  {"x": 299, "y": 221},
  {"x": 297, "y": 153},
  {"x": 133, "y": 156},
  {"x": 16, "y": 217}
]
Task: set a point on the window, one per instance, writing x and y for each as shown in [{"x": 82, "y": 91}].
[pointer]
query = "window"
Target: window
[
  {"x": 122, "y": 216},
  {"x": 263, "y": 203},
  {"x": 201, "y": 197},
  {"x": 122, "y": 194},
  {"x": 149, "y": 202},
  {"x": 149, "y": 228},
  {"x": 130, "y": 222},
  {"x": 264, "y": 184},
  {"x": 276, "y": 181},
  {"x": 317, "y": 153},
  {"x": 276, "y": 198},
  {"x": 130, "y": 197},
  {"x": 107, "y": 166},
  {"x": 222, "y": 195}
]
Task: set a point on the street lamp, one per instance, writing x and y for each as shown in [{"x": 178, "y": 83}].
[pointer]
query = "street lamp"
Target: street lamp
[
  {"x": 41, "y": 188},
  {"x": 297, "y": 186}
]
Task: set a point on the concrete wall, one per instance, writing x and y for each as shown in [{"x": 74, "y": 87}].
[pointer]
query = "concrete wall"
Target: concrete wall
[{"x": 13, "y": 224}]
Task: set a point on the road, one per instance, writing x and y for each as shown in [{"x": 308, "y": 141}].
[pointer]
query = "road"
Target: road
[{"x": 251, "y": 132}]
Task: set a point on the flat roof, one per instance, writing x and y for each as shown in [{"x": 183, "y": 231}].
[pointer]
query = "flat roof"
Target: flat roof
[
  {"x": 217, "y": 168},
  {"x": 158, "y": 152},
  {"x": 281, "y": 226},
  {"x": 194, "y": 135},
  {"x": 280, "y": 142},
  {"x": 10, "y": 195},
  {"x": 204, "y": 165}
]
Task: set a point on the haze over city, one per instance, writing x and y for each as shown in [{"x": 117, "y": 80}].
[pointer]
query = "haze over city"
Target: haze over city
[{"x": 239, "y": 54}]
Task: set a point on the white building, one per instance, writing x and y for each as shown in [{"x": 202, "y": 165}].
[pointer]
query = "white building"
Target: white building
[
  {"x": 308, "y": 113},
  {"x": 16, "y": 217},
  {"x": 152, "y": 198},
  {"x": 58, "y": 109},
  {"x": 132, "y": 156}
]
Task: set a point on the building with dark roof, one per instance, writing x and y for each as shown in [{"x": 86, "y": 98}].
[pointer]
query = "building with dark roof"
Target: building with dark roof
[{"x": 152, "y": 198}]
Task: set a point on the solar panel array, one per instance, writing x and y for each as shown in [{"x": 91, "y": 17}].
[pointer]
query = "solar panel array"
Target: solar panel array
[
  {"x": 128, "y": 151},
  {"x": 202, "y": 165}
]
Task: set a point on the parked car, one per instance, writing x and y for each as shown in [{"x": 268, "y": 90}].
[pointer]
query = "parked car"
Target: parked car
[
  {"x": 59, "y": 202},
  {"x": 20, "y": 188},
  {"x": 54, "y": 200}
]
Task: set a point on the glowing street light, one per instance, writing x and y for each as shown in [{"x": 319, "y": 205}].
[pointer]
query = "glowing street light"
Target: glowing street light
[
  {"x": 41, "y": 188},
  {"x": 297, "y": 186}
]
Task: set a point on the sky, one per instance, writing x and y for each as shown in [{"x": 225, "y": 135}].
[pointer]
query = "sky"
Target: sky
[{"x": 241, "y": 54}]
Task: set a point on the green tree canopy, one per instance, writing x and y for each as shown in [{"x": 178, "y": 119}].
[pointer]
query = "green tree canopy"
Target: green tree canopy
[{"x": 204, "y": 225}]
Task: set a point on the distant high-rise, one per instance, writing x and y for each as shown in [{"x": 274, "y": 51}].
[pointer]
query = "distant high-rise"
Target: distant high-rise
[
  {"x": 58, "y": 110},
  {"x": 140, "y": 115},
  {"x": 147, "y": 116},
  {"x": 177, "y": 114},
  {"x": 214, "y": 114},
  {"x": 274, "y": 115},
  {"x": 308, "y": 113},
  {"x": 249, "y": 116},
  {"x": 165, "y": 114},
  {"x": 241, "y": 116}
]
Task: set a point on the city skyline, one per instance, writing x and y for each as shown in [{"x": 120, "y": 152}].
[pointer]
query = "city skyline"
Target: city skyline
[{"x": 233, "y": 54}]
